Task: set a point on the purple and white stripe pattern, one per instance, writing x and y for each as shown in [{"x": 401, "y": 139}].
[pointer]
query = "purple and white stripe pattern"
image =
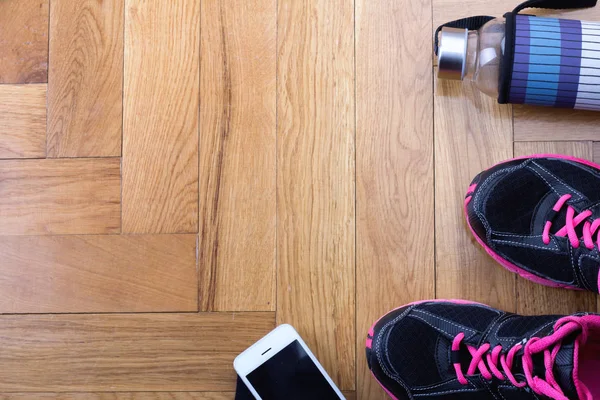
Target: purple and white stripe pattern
[{"x": 557, "y": 63}]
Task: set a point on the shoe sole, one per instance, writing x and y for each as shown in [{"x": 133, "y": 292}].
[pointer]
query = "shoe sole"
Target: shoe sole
[
  {"x": 501, "y": 260},
  {"x": 371, "y": 334}
]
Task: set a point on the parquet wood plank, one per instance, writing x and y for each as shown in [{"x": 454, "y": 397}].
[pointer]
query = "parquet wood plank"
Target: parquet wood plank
[
  {"x": 472, "y": 133},
  {"x": 552, "y": 124},
  {"x": 315, "y": 182},
  {"x": 535, "y": 299},
  {"x": 23, "y": 121},
  {"x": 121, "y": 396},
  {"x": 24, "y": 41},
  {"x": 66, "y": 196},
  {"x": 131, "y": 396},
  {"x": 104, "y": 273},
  {"x": 125, "y": 352},
  {"x": 394, "y": 166},
  {"x": 237, "y": 155},
  {"x": 85, "y": 89},
  {"x": 160, "y": 132},
  {"x": 596, "y": 152}
]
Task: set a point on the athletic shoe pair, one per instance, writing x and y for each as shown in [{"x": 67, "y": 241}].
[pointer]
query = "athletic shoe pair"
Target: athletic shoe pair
[{"x": 539, "y": 217}]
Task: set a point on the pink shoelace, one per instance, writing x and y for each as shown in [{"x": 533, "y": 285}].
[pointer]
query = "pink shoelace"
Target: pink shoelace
[
  {"x": 573, "y": 221},
  {"x": 487, "y": 362}
]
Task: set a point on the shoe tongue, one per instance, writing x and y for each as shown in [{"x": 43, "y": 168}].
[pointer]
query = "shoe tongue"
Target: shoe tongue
[
  {"x": 544, "y": 210},
  {"x": 564, "y": 364},
  {"x": 444, "y": 359}
]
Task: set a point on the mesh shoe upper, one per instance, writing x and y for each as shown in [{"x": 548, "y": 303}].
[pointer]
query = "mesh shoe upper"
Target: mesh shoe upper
[
  {"x": 521, "y": 210},
  {"x": 441, "y": 349}
]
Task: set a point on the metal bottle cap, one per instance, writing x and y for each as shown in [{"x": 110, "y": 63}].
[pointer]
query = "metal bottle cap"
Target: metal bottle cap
[{"x": 452, "y": 55}]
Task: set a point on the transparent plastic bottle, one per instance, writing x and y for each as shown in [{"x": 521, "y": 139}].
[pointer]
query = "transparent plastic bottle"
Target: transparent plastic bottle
[{"x": 473, "y": 55}]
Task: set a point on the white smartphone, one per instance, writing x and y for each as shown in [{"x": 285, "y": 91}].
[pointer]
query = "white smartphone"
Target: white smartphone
[{"x": 280, "y": 366}]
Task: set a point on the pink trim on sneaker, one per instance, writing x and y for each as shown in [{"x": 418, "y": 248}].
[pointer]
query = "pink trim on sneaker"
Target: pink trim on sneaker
[
  {"x": 543, "y": 155},
  {"x": 372, "y": 329},
  {"x": 510, "y": 266}
]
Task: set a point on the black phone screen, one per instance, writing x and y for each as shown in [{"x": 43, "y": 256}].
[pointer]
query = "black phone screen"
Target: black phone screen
[{"x": 291, "y": 374}]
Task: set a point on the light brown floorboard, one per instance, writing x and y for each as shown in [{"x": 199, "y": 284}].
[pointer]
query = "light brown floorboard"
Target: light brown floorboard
[
  {"x": 132, "y": 396},
  {"x": 551, "y": 124},
  {"x": 24, "y": 43},
  {"x": 121, "y": 396},
  {"x": 394, "y": 145},
  {"x": 160, "y": 132},
  {"x": 23, "y": 121},
  {"x": 472, "y": 133},
  {"x": 74, "y": 196},
  {"x": 125, "y": 352},
  {"x": 315, "y": 186},
  {"x": 104, "y": 273},
  {"x": 85, "y": 89},
  {"x": 237, "y": 155}
]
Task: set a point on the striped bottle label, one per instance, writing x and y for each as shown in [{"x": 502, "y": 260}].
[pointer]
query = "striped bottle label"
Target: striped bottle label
[{"x": 557, "y": 63}]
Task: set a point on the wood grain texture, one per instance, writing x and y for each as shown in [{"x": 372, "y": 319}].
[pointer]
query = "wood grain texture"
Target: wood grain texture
[
  {"x": 237, "y": 155},
  {"x": 121, "y": 396},
  {"x": 131, "y": 396},
  {"x": 24, "y": 41},
  {"x": 108, "y": 273},
  {"x": 552, "y": 124},
  {"x": 535, "y": 299},
  {"x": 125, "y": 352},
  {"x": 596, "y": 152},
  {"x": 472, "y": 133},
  {"x": 315, "y": 186},
  {"x": 160, "y": 132},
  {"x": 76, "y": 196},
  {"x": 23, "y": 121},
  {"x": 85, "y": 90},
  {"x": 394, "y": 166}
]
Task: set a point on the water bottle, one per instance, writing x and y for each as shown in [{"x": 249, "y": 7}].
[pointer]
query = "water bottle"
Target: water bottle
[
  {"x": 473, "y": 55},
  {"x": 524, "y": 59}
]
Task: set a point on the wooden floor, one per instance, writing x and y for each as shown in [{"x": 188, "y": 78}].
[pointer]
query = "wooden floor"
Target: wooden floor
[{"x": 177, "y": 177}]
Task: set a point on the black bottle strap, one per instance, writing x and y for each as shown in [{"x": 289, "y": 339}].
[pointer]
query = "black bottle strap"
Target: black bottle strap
[
  {"x": 471, "y": 23},
  {"x": 474, "y": 23},
  {"x": 555, "y": 4}
]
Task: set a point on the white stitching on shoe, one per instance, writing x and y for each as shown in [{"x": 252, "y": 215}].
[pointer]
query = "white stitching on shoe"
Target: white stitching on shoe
[
  {"x": 586, "y": 283},
  {"x": 579, "y": 195},
  {"x": 445, "y": 392},
  {"x": 436, "y": 385},
  {"x": 521, "y": 244},
  {"x": 544, "y": 179},
  {"x": 459, "y": 326},
  {"x": 517, "y": 236},
  {"x": 516, "y": 338},
  {"x": 378, "y": 344}
]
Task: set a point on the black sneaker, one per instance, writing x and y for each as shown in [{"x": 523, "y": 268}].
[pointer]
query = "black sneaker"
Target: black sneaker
[
  {"x": 539, "y": 217},
  {"x": 454, "y": 350}
]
